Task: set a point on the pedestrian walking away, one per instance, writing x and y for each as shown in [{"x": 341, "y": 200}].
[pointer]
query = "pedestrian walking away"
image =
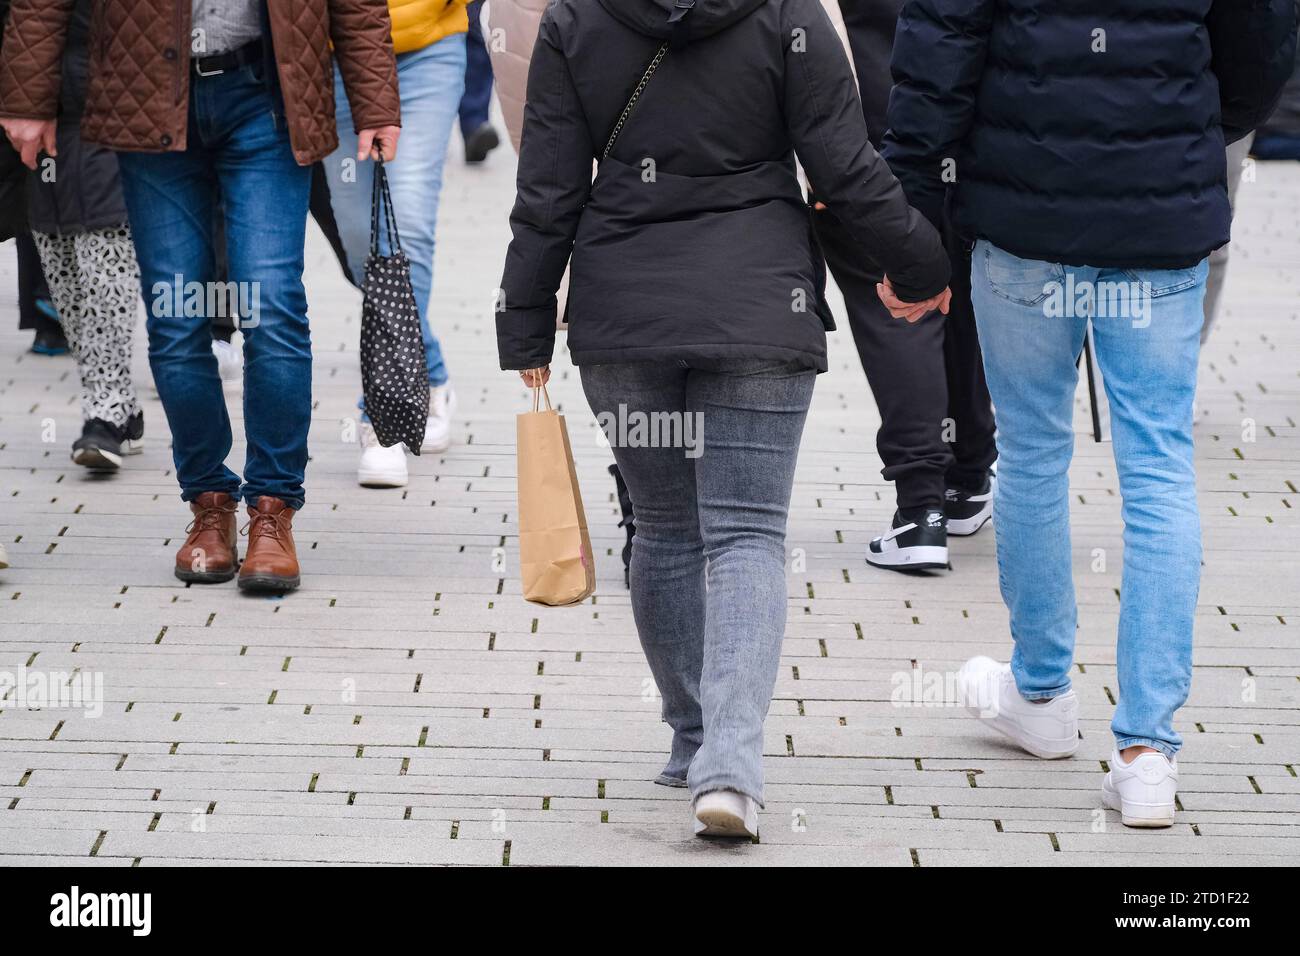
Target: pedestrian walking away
[
  {"x": 696, "y": 297},
  {"x": 1131, "y": 164},
  {"x": 936, "y": 421},
  {"x": 476, "y": 128}
]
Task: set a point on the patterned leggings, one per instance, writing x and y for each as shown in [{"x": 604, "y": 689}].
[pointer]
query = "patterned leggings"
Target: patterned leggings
[{"x": 95, "y": 286}]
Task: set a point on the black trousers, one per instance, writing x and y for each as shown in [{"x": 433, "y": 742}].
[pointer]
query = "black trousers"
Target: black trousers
[
  {"x": 31, "y": 286},
  {"x": 936, "y": 426}
]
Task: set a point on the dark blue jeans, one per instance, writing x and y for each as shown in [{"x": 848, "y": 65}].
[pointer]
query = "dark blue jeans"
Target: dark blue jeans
[
  {"x": 238, "y": 150},
  {"x": 476, "y": 102}
]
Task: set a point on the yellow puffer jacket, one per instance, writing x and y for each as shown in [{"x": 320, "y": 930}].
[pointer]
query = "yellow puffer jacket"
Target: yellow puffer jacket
[{"x": 418, "y": 23}]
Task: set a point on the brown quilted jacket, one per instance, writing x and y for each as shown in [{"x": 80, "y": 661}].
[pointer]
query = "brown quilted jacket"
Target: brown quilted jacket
[{"x": 138, "y": 95}]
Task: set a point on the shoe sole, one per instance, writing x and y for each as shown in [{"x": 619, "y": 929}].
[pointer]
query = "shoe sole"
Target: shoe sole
[
  {"x": 1149, "y": 816},
  {"x": 268, "y": 582},
  {"x": 965, "y": 527},
  {"x": 1041, "y": 747},
  {"x": 206, "y": 577},
  {"x": 435, "y": 449},
  {"x": 98, "y": 459},
  {"x": 925, "y": 558},
  {"x": 376, "y": 480},
  {"x": 720, "y": 823}
]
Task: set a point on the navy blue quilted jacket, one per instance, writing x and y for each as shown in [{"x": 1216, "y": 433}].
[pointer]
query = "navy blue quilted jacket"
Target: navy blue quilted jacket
[{"x": 1088, "y": 132}]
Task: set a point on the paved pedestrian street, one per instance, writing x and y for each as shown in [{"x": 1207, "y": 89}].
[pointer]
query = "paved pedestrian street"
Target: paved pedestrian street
[{"x": 408, "y": 706}]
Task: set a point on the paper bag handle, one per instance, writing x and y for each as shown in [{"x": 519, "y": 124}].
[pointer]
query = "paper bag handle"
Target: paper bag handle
[{"x": 539, "y": 392}]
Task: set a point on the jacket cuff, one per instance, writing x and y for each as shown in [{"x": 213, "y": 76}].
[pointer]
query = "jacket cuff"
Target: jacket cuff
[
  {"x": 919, "y": 293},
  {"x": 526, "y": 337}
]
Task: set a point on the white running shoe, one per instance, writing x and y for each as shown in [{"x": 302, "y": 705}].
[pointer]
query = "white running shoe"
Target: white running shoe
[
  {"x": 380, "y": 467},
  {"x": 725, "y": 813},
  {"x": 230, "y": 361},
  {"x": 988, "y": 690},
  {"x": 1142, "y": 791},
  {"x": 442, "y": 405}
]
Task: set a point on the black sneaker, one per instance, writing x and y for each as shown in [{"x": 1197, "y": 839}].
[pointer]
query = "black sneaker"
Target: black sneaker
[
  {"x": 481, "y": 142},
  {"x": 915, "y": 542},
  {"x": 102, "y": 445},
  {"x": 50, "y": 340},
  {"x": 968, "y": 511}
]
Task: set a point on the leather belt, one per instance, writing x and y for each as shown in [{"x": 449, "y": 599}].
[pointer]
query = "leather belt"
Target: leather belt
[{"x": 220, "y": 63}]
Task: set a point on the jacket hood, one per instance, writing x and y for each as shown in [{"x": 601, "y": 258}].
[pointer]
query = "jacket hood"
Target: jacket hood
[{"x": 708, "y": 17}]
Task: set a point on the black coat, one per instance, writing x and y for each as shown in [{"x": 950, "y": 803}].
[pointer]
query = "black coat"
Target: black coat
[
  {"x": 870, "y": 25},
  {"x": 85, "y": 192},
  {"x": 1068, "y": 154},
  {"x": 13, "y": 175},
  {"x": 694, "y": 240}
]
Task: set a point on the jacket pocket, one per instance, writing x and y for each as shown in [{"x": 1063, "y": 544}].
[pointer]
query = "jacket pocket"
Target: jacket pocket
[{"x": 1022, "y": 281}]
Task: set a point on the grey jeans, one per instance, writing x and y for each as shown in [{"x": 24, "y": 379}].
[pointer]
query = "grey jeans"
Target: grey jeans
[{"x": 708, "y": 560}]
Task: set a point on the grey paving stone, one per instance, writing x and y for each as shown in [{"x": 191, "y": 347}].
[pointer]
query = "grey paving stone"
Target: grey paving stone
[{"x": 536, "y": 718}]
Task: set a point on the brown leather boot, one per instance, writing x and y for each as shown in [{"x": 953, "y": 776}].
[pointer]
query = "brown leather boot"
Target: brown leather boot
[
  {"x": 272, "y": 561},
  {"x": 210, "y": 554}
]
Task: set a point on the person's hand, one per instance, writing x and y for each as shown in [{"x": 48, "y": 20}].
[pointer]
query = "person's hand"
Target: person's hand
[
  {"x": 912, "y": 311},
  {"x": 30, "y": 137},
  {"x": 381, "y": 141},
  {"x": 536, "y": 377},
  {"x": 812, "y": 194}
]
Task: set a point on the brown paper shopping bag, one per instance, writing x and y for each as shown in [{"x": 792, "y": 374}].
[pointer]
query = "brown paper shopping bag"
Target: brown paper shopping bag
[{"x": 555, "y": 559}]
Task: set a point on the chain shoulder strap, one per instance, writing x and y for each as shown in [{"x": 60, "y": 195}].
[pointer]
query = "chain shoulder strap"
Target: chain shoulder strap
[{"x": 636, "y": 94}]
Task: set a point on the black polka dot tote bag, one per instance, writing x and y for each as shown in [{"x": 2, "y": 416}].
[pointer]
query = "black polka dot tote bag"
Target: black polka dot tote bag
[{"x": 393, "y": 372}]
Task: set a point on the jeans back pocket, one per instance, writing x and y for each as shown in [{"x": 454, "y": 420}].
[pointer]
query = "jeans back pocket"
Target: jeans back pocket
[{"x": 1022, "y": 281}]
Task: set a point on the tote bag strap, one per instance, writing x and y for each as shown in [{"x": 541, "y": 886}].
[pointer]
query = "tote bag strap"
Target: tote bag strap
[{"x": 382, "y": 199}]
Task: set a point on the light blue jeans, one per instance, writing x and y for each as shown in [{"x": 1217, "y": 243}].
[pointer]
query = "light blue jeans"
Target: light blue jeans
[
  {"x": 1146, "y": 323},
  {"x": 431, "y": 82},
  {"x": 708, "y": 559}
]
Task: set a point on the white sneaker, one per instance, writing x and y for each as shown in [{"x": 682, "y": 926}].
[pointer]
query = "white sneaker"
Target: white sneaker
[
  {"x": 230, "y": 361},
  {"x": 380, "y": 467},
  {"x": 1142, "y": 791},
  {"x": 725, "y": 813},
  {"x": 4, "y": 558},
  {"x": 442, "y": 405},
  {"x": 988, "y": 690}
]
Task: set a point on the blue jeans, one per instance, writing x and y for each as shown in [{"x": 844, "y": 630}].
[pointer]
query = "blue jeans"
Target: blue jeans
[
  {"x": 431, "y": 81},
  {"x": 476, "y": 104},
  {"x": 708, "y": 558},
  {"x": 1146, "y": 324},
  {"x": 238, "y": 146}
]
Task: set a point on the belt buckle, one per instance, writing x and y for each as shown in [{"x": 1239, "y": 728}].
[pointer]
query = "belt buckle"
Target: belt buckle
[{"x": 198, "y": 68}]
